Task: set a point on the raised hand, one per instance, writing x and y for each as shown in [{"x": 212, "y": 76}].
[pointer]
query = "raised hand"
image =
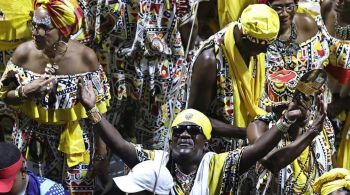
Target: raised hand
[
  {"x": 321, "y": 114},
  {"x": 40, "y": 87},
  {"x": 86, "y": 94}
]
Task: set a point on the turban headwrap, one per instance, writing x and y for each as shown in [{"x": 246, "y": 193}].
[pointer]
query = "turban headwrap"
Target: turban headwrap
[
  {"x": 260, "y": 22},
  {"x": 66, "y": 15},
  {"x": 333, "y": 180}
]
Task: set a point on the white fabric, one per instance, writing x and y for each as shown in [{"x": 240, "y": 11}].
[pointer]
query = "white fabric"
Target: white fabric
[
  {"x": 201, "y": 185},
  {"x": 144, "y": 176}
]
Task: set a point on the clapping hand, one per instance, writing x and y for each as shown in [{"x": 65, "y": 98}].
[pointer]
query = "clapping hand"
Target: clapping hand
[{"x": 86, "y": 94}]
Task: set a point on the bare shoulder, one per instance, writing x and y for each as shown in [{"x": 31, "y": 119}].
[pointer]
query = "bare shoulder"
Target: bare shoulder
[
  {"x": 88, "y": 55},
  {"x": 22, "y": 53},
  {"x": 206, "y": 60},
  {"x": 306, "y": 25}
]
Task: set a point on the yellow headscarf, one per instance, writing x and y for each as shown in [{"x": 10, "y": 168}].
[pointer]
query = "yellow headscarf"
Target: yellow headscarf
[
  {"x": 196, "y": 117},
  {"x": 333, "y": 180},
  {"x": 66, "y": 15},
  {"x": 262, "y": 22}
]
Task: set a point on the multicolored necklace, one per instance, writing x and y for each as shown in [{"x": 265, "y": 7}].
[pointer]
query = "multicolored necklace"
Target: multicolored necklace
[
  {"x": 341, "y": 32},
  {"x": 186, "y": 181},
  {"x": 287, "y": 48}
]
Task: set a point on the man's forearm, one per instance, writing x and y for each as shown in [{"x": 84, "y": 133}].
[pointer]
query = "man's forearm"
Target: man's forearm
[
  {"x": 278, "y": 159},
  {"x": 115, "y": 142}
]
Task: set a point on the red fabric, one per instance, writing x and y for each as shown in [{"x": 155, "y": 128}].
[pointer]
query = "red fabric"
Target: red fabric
[
  {"x": 340, "y": 74},
  {"x": 8, "y": 174}
]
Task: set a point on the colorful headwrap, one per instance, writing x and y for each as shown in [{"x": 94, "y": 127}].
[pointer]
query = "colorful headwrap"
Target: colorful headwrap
[
  {"x": 66, "y": 15},
  {"x": 260, "y": 23},
  {"x": 196, "y": 117},
  {"x": 333, "y": 180}
]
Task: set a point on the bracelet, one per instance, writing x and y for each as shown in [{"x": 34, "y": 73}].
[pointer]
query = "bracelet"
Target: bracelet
[
  {"x": 99, "y": 157},
  {"x": 282, "y": 126},
  {"x": 315, "y": 130},
  {"x": 94, "y": 115},
  {"x": 286, "y": 119}
]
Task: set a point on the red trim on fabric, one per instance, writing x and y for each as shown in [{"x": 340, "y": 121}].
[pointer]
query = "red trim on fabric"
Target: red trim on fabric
[{"x": 340, "y": 74}]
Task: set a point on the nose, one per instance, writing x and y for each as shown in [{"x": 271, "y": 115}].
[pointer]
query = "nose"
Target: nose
[{"x": 185, "y": 135}]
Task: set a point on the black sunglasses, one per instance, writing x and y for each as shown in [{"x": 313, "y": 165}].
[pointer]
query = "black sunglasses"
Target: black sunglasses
[{"x": 193, "y": 130}]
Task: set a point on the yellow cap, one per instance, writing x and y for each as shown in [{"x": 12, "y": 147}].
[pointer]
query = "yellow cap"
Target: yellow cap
[
  {"x": 196, "y": 117},
  {"x": 260, "y": 21}
]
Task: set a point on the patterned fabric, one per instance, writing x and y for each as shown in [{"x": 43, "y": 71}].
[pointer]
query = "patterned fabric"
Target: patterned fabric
[
  {"x": 66, "y": 15},
  {"x": 339, "y": 64},
  {"x": 43, "y": 186},
  {"x": 283, "y": 71},
  {"x": 222, "y": 107},
  {"x": 299, "y": 176},
  {"x": 142, "y": 46},
  {"x": 38, "y": 134},
  {"x": 223, "y": 170}
]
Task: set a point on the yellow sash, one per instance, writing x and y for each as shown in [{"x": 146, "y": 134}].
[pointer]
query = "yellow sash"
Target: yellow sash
[{"x": 247, "y": 89}]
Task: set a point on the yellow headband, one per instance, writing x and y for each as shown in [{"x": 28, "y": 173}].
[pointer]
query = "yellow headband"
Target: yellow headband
[
  {"x": 261, "y": 22},
  {"x": 333, "y": 180},
  {"x": 196, "y": 117}
]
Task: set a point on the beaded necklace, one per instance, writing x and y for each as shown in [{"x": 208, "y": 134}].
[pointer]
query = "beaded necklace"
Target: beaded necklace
[
  {"x": 288, "y": 48},
  {"x": 186, "y": 181},
  {"x": 342, "y": 32}
]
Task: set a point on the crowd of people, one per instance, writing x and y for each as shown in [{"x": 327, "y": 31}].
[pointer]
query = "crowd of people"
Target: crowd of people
[{"x": 189, "y": 97}]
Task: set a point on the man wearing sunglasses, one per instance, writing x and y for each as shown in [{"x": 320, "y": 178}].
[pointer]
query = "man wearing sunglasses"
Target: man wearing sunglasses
[{"x": 194, "y": 169}]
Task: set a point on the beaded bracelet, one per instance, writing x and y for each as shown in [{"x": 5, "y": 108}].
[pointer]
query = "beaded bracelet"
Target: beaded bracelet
[
  {"x": 282, "y": 125},
  {"x": 286, "y": 119},
  {"x": 94, "y": 115}
]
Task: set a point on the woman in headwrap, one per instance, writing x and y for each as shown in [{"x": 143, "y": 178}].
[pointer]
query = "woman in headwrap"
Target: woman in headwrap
[
  {"x": 300, "y": 47},
  {"x": 40, "y": 81},
  {"x": 335, "y": 14},
  {"x": 334, "y": 182}
]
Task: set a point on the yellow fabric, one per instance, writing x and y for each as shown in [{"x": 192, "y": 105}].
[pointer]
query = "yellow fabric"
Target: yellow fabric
[
  {"x": 248, "y": 90},
  {"x": 66, "y": 15},
  {"x": 260, "y": 21},
  {"x": 71, "y": 140},
  {"x": 302, "y": 175},
  {"x": 230, "y": 11},
  {"x": 14, "y": 28},
  {"x": 216, "y": 168},
  {"x": 333, "y": 180},
  {"x": 196, "y": 117},
  {"x": 307, "y": 11},
  {"x": 343, "y": 159}
]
